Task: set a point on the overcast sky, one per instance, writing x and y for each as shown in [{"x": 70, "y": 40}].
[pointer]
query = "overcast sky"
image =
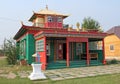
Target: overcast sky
[{"x": 12, "y": 12}]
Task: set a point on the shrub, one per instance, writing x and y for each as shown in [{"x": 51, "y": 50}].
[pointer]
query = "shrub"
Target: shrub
[
  {"x": 10, "y": 50},
  {"x": 114, "y": 61}
]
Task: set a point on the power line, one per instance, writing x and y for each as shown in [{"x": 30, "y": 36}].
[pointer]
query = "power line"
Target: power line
[
  {"x": 5, "y": 18},
  {"x": 12, "y": 20}
]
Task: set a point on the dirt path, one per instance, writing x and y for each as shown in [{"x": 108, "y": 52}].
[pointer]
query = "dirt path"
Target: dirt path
[{"x": 2, "y": 57}]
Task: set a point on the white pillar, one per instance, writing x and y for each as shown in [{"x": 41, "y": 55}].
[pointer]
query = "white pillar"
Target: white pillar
[{"x": 37, "y": 73}]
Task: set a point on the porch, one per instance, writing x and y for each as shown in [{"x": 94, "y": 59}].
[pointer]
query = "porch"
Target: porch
[{"x": 79, "y": 53}]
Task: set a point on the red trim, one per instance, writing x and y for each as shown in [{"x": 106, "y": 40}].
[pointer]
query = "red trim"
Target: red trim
[
  {"x": 77, "y": 39},
  {"x": 87, "y": 53},
  {"x": 67, "y": 45},
  {"x": 38, "y": 33},
  {"x": 45, "y": 50},
  {"x": 28, "y": 32},
  {"x": 55, "y": 30},
  {"x": 39, "y": 38},
  {"x": 53, "y": 25},
  {"x": 103, "y": 48},
  {"x": 42, "y": 54},
  {"x": 32, "y": 31}
]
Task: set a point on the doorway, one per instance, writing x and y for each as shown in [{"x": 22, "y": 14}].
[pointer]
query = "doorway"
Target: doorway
[{"x": 64, "y": 51}]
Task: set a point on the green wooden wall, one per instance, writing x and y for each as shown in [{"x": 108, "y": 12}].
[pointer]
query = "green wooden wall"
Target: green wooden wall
[
  {"x": 51, "y": 57},
  {"x": 29, "y": 48},
  {"x": 100, "y": 54},
  {"x": 84, "y": 47},
  {"x": 75, "y": 57}
]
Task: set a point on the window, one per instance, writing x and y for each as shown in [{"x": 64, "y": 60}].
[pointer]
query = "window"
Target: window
[
  {"x": 99, "y": 45},
  {"x": 48, "y": 48},
  {"x": 59, "y": 19},
  {"x": 111, "y": 47},
  {"x": 93, "y": 45},
  {"x": 78, "y": 48},
  {"x": 50, "y": 19},
  {"x": 40, "y": 45},
  {"x": 23, "y": 47}
]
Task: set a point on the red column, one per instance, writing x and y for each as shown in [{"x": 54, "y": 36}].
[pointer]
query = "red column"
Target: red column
[
  {"x": 87, "y": 53},
  {"x": 103, "y": 48},
  {"x": 44, "y": 55},
  {"x": 67, "y": 46}
]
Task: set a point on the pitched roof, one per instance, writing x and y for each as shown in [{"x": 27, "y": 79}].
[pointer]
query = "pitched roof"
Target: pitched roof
[
  {"x": 50, "y": 12},
  {"x": 46, "y": 11},
  {"x": 115, "y": 30}
]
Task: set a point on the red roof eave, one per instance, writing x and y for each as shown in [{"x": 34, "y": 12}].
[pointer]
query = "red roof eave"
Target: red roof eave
[
  {"x": 87, "y": 34},
  {"x": 21, "y": 31}
]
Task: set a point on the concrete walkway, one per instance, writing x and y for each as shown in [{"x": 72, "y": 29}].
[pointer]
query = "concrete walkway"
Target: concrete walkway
[{"x": 67, "y": 73}]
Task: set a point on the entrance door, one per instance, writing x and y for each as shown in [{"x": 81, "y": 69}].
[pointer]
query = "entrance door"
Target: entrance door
[
  {"x": 60, "y": 51},
  {"x": 64, "y": 51}
]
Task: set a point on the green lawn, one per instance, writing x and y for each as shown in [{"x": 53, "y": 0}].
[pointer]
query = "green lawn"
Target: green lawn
[
  {"x": 106, "y": 79},
  {"x": 3, "y": 61},
  {"x": 13, "y": 68}
]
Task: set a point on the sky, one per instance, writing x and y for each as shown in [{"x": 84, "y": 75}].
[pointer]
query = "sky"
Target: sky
[{"x": 12, "y": 12}]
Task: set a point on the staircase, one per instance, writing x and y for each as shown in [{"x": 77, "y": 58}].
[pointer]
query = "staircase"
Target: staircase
[
  {"x": 56, "y": 65},
  {"x": 95, "y": 62},
  {"x": 74, "y": 64}
]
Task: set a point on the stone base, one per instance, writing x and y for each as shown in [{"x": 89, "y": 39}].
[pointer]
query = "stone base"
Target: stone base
[
  {"x": 36, "y": 76},
  {"x": 37, "y": 73}
]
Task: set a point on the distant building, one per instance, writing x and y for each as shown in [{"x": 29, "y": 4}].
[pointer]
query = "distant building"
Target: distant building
[
  {"x": 58, "y": 45},
  {"x": 112, "y": 43}
]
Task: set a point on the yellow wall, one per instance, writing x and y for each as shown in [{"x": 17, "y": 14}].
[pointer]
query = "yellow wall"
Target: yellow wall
[{"x": 112, "y": 40}]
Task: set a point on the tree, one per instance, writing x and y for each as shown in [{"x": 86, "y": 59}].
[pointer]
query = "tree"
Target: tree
[
  {"x": 89, "y": 23},
  {"x": 10, "y": 50},
  {"x": 1, "y": 52}
]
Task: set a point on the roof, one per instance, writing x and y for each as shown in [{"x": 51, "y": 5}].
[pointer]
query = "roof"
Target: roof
[
  {"x": 21, "y": 31},
  {"x": 57, "y": 32},
  {"x": 66, "y": 33},
  {"x": 114, "y": 30},
  {"x": 46, "y": 11},
  {"x": 50, "y": 12}
]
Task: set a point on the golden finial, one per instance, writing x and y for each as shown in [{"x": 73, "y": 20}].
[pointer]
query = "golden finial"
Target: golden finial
[
  {"x": 78, "y": 26},
  {"x": 22, "y": 22}
]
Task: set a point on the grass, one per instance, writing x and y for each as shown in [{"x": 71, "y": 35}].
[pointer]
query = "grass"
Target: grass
[
  {"x": 14, "y": 68},
  {"x": 3, "y": 61},
  {"x": 105, "y": 79},
  {"x": 15, "y": 81}
]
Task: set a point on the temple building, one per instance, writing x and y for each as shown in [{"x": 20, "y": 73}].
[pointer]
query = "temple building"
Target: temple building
[{"x": 58, "y": 45}]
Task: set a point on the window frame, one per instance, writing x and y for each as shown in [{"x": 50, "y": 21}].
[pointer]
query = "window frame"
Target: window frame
[
  {"x": 49, "y": 18},
  {"x": 111, "y": 47},
  {"x": 59, "y": 19}
]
